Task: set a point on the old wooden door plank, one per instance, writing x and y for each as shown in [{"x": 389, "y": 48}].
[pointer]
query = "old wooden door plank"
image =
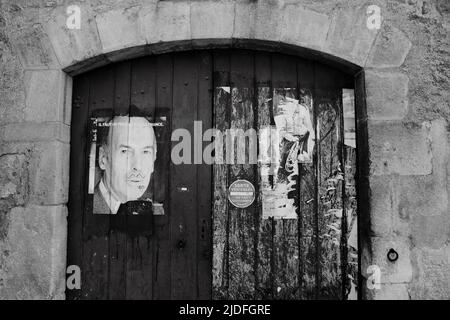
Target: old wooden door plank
[
  {"x": 349, "y": 238},
  {"x": 204, "y": 178},
  {"x": 362, "y": 172},
  {"x": 329, "y": 179},
  {"x": 284, "y": 76},
  {"x": 242, "y": 231},
  {"x": 140, "y": 248},
  {"x": 161, "y": 285},
  {"x": 78, "y": 185},
  {"x": 307, "y": 250},
  {"x": 96, "y": 226},
  {"x": 339, "y": 79},
  {"x": 263, "y": 254},
  {"x": 222, "y": 102},
  {"x": 118, "y": 240},
  {"x": 183, "y": 183}
]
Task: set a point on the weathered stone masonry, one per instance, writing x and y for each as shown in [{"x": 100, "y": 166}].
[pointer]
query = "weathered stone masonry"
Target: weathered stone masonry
[{"x": 407, "y": 73}]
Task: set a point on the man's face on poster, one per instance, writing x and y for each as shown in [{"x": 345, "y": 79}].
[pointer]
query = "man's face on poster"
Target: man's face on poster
[{"x": 127, "y": 159}]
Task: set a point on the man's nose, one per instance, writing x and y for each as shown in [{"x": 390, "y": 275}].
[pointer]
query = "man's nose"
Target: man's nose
[
  {"x": 134, "y": 162},
  {"x": 137, "y": 162}
]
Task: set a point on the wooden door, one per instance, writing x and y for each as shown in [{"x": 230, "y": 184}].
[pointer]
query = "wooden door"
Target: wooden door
[
  {"x": 270, "y": 218},
  {"x": 127, "y": 256},
  {"x": 297, "y": 239}
]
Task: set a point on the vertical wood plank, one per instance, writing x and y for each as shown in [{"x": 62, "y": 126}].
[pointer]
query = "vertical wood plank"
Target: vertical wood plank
[
  {"x": 284, "y": 75},
  {"x": 222, "y": 102},
  {"x": 263, "y": 254},
  {"x": 349, "y": 241},
  {"x": 307, "y": 250},
  {"x": 164, "y": 81},
  {"x": 140, "y": 248},
  {"x": 241, "y": 240},
  {"x": 184, "y": 184},
  {"x": 95, "y": 265},
  {"x": 118, "y": 240},
  {"x": 78, "y": 185},
  {"x": 204, "y": 179},
  {"x": 330, "y": 177},
  {"x": 362, "y": 173},
  {"x": 342, "y": 190}
]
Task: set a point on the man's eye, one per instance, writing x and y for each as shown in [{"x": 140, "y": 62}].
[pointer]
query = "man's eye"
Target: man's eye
[
  {"x": 147, "y": 151},
  {"x": 123, "y": 151}
]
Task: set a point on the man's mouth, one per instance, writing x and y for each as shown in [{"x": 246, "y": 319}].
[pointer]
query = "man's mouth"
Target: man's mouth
[{"x": 135, "y": 180}]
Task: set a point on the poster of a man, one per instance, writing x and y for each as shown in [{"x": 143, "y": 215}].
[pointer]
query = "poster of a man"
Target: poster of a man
[
  {"x": 291, "y": 142},
  {"x": 296, "y": 133},
  {"x": 127, "y": 148}
]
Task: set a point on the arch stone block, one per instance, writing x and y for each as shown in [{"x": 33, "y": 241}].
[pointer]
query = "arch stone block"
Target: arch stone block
[
  {"x": 390, "y": 49},
  {"x": 304, "y": 26},
  {"x": 72, "y": 45},
  {"x": 212, "y": 19},
  {"x": 120, "y": 29},
  {"x": 348, "y": 36},
  {"x": 113, "y": 34},
  {"x": 166, "y": 21},
  {"x": 341, "y": 31},
  {"x": 268, "y": 21}
]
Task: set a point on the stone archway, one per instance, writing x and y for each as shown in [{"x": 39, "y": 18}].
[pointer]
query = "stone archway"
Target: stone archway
[{"x": 130, "y": 29}]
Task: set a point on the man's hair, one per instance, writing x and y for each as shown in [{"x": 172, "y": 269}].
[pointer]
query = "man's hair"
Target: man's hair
[{"x": 109, "y": 114}]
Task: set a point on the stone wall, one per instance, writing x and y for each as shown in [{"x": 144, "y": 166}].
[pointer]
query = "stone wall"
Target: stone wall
[{"x": 407, "y": 71}]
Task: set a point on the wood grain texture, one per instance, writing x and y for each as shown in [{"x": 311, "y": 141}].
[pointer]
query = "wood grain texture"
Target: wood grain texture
[
  {"x": 264, "y": 253},
  {"x": 183, "y": 206},
  {"x": 222, "y": 103},
  {"x": 78, "y": 182},
  {"x": 363, "y": 187},
  {"x": 307, "y": 177},
  {"x": 351, "y": 207},
  {"x": 95, "y": 266},
  {"x": 330, "y": 182},
  {"x": 204, "y": 179},
  {"x": 118, "y": 254},
  {"x": 284, "y": 75},
  {"x": 264, "y": 285},
  {"x": 349, "y": 237},
  {"x": 140, "y": 248},
  {"x": 241, "y": 249},
  {"x": 163, "y": 247}
]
